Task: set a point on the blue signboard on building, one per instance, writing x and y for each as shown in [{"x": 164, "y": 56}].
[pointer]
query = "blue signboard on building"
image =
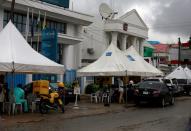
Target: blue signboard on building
[
  {"x": 49, "y": 46},
  {"x": 62, "y": 3}
]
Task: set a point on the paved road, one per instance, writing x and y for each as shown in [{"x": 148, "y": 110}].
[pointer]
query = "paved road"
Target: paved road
[{"x": 146, "y": 118}]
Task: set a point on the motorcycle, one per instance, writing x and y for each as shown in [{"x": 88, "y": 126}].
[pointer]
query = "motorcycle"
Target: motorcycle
[{"x": 49, "y": 102}]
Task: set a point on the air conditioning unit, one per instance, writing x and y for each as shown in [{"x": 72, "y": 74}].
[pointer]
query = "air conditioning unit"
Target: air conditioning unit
[{"x": 90, "y": 51}]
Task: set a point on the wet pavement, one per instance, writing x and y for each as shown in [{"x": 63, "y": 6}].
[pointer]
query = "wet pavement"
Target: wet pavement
[{"x": 96, "y": 117}]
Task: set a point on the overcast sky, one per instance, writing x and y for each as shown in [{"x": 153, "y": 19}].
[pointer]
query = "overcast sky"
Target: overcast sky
[{"x": 167, "y": 19}]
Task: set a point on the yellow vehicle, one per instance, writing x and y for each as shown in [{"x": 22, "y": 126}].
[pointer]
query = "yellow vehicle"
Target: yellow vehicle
[{"x": 49, "y": 99}]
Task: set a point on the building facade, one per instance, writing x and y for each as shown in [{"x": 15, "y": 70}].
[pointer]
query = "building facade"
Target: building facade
[
  {"x": 185, "y": 53},
  {"x": 124, "y": 31},
  {"x": 66, "y": 22}
]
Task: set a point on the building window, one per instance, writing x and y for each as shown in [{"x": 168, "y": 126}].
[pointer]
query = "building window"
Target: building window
[{"x": 20, "y": 22}]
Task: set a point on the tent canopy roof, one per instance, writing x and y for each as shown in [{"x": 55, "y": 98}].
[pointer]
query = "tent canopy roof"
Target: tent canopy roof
[
  {"x": 114, "y": 62},
  {"x": 180, "y": 73},
  {"x": 18, "y": 56},
  {"x": 140, "y": 64}
]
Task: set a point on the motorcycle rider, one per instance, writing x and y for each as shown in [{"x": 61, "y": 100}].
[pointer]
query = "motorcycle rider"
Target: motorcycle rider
[
  {"x": 61, "y": 91},
  {"x": 58, "y": 95}
]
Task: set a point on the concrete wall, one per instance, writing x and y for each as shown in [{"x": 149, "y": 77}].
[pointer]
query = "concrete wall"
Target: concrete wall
[{"x": 94, "y": 37}]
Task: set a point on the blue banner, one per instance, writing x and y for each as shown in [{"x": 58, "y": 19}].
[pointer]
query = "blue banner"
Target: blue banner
[
  {"x": 62, "y": 3},
  {"x": 49, "y": 46}
]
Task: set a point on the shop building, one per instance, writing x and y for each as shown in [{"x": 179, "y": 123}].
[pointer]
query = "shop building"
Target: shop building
[
  {"x": 185, "y": 53},
  {"x": 67, "y": 23}
]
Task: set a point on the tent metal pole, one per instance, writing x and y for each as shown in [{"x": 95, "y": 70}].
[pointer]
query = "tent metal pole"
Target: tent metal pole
[
  {"x": 12, "y": 10},
  {"x": 13, "y": 77},
  {"x": 126, "y": 89},
  {"x": 179, "y": 52}
]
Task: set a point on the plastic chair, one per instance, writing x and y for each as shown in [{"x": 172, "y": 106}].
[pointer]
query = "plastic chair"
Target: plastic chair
[
  {"x": 19, "y": 98},
  {"x": 31, "y": 99},
  {"x": 15, "y": 107},
  {"x": 94, "y": 97},
  {"x": 105, "y": 96}
]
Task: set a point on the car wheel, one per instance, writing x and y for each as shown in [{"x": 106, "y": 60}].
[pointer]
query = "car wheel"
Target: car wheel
[
  {"x": 137, "y": 102},
  {"x": 189, "y": 92},
  {"x": 172, "y": 101},
  {"x": 163, "y": 102}
]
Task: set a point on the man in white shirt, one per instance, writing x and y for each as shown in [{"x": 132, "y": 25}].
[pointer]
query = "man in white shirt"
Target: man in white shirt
[{"x": 121, "y": 90}]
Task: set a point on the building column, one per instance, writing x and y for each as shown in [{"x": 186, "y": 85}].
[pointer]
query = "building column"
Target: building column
[
  {"x": 141, "y": 47},
  {"x": 1, "y": 18},
  {"x": 135, "y": 42},
  {"x": 124, "y": 42},
  {"x": 68, "y": 57},
  {"x": 78, "y": 50},
  {"x": 114, "y": 38}
]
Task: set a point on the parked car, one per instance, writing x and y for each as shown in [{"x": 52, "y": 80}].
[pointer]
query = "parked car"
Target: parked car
[
  {"x": 170, "y": 83},
  {"x": 69, "y": 93},
  {"x": 186, "y": 86},
  {"x": 154, "y": 91},
  {"x": 187, "y": 89}
]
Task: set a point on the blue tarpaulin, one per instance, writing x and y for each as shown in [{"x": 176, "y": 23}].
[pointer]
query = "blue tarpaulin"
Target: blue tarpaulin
[
  {"x": 69, "y": 76},
  {"x": 49, "y": 48},
  {"x": 18, "y": 79}
]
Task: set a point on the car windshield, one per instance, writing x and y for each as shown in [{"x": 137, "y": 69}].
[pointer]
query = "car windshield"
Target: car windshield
[
  {"x": 151, "y": 80},
  {"x": 174, "y": 81},
  {"x": 150, "y": 85},
  {"x": 167, "y": 81}
]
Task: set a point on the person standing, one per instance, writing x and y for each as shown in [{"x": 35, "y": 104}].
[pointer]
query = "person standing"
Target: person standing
[
  {"x": 2, "y": 99},
  {"x": 121, "y": 90}
]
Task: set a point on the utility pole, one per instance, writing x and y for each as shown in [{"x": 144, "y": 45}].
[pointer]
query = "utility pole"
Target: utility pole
[
  {"x": 12, "y": 10},
  {"x": 189, "y": 42},
  {"x": 179, "y": 55}
]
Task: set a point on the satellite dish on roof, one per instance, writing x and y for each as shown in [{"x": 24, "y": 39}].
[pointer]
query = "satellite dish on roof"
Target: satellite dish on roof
[{"x": 106, "y": 12}]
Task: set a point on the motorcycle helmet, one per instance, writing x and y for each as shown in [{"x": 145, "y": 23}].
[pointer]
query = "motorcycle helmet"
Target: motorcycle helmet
[{"x": 61, "y": 84}]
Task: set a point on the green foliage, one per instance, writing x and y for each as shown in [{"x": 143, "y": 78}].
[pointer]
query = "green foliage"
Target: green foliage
[
  {"x": 91, "y": 88},
  {"x": 68, "y": 86}
]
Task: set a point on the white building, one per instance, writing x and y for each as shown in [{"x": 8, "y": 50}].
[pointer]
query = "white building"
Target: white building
[
  {"x": 124, "y": 31},
  {"x": 68, "y": 24}
]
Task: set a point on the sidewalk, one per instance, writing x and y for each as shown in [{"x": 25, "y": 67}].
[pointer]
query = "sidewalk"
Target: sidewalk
[{"x": 85, "y": 109}]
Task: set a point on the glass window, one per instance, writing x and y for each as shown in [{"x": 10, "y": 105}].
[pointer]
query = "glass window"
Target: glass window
[
  {"x": 19, "y": 26},
  {"x": 52, "y": 25},
  {"x": 15, "y": 18},
  {"x": 5, "y": 16},
  {"x": 150, "y": 85},
  {"x": 20, "y": 19},
  {"x": 59, "y": 27},
  {"x": 20, "y": 23}
]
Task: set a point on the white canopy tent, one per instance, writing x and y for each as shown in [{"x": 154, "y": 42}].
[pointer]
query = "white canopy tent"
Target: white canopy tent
[
  {"x": 178, "y": 73},
  {"x": 188, "y": 72},
  {"x": 113, "y": 62},
  {"x": 140, "y": 64},
  {"x": 16, "y": 55}
]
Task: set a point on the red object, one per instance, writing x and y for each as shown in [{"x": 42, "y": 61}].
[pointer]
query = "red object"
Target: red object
[
  {"x": 161, "y": 48},
  {"x": 181, "y": 62},
  {"x": 182, "y": 44}
]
